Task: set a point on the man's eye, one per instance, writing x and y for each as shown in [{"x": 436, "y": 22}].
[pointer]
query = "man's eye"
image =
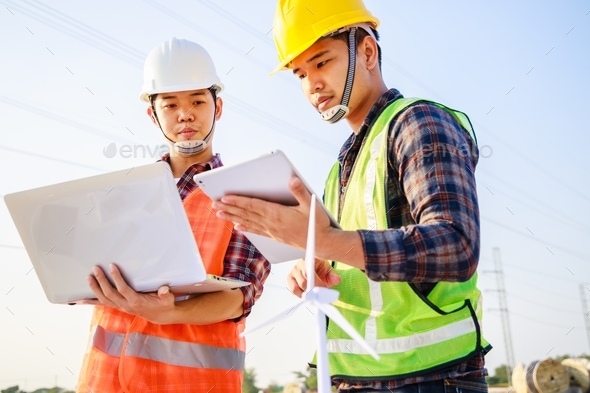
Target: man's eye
[
  {"x": 301, "y": 76},
  {"x": 322, "y": 63},
  {"x": 169, "y": 105},
  {"x": 198, "y": 102}
]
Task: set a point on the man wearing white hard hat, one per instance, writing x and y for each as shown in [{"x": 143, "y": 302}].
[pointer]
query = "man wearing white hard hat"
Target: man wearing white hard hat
[
  {"x": 154, "y": 342},
  {"x": 403, "y": 190}
]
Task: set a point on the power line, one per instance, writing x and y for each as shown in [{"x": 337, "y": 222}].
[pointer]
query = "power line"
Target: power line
[
  {"x": 543, "y": 305},
  {"x": 79, "y": 33},
  {"x": 544, "y": 322},
  {"x": 289, "y": 130},
  {"x": 539, "y": 240},
  {"x": 64, "y": 120},
  {"x": 561, "y": 216},
  {"x": 215, "y": 37},
  {"x": 238, "y": 22},
  {"x": 86, "y": 28},
  {"x": 52, "y": 158},
  {"x": 14, "y": 247},
  {"x": 542, "y": 274},
  {"x": 103, "y": 41},
  {"x": 522, "y": 282}
]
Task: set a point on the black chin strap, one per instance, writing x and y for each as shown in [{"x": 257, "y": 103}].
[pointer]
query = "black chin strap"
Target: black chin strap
[
  {"x": 351, "y": 66},
  {"x": 336, "y": 113}
]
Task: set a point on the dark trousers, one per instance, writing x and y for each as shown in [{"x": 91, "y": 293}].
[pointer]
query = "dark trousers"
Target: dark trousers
[{"x": 458, "y": 385}]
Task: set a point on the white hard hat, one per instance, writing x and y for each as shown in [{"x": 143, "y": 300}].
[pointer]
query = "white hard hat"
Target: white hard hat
[{"x": 178, "y": 65}]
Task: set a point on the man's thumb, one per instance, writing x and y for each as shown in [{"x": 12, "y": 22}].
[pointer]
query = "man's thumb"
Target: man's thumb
[
  {"x": 333, "y": 279},
  {"x": 297, "y": 188},
  {"x": 163, "y": 291}
]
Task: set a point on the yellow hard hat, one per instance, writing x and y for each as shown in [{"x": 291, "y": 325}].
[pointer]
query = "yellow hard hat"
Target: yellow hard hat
[{"x": 299, "y": 24}]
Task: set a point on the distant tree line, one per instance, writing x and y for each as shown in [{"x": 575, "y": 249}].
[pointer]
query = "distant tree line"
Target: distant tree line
[{"x": 16, "y": 389}]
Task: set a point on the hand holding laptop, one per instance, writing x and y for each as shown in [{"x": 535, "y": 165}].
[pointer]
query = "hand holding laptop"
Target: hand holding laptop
[
  {"x": 155, "y": 306},
  {"x": 162, "y": 307}
]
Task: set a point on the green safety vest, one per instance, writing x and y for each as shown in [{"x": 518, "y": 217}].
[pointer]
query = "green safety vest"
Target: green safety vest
[{"x": 414, "y": 334}]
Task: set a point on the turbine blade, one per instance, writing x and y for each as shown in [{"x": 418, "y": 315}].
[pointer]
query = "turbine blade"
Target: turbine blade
[
  {"x": 283, "y": 314},
  {"x": 333, "y": 313}
]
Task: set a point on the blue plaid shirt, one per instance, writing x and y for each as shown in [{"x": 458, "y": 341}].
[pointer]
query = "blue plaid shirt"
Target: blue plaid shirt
[{"x": 433, "y": 213}]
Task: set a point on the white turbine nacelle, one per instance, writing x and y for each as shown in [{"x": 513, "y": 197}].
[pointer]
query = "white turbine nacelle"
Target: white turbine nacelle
[{"x": 321, "y": 295}]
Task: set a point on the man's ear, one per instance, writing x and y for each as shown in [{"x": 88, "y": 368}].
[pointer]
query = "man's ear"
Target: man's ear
[
  {"x": 218, "y": 108},
  {"x": 370, "y": 53},
  {"x": 152, "y": 115}
]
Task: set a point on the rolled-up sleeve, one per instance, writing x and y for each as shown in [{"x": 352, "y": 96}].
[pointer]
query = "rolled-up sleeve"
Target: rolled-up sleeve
[
  {"x": 434, "y": 160},
  {"x": 244, "y": 262}
]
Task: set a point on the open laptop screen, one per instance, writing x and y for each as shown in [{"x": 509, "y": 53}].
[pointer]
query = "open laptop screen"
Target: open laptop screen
[{"x": 133, "y": 218}]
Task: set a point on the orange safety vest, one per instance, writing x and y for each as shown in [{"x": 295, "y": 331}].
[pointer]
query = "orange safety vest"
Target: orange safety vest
[{"x": 131, "y": 354}]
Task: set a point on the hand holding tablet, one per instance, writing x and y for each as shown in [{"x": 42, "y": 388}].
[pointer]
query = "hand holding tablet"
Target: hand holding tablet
[{"x": 265, "y": 178}]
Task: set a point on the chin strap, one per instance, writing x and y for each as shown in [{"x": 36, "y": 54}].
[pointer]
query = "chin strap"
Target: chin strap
[
  {"x": 339, "y": 112},
  {"x": 188, "y": 148}
]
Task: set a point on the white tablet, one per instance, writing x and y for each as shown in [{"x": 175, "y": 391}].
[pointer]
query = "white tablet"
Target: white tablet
[{"x": 266, "y": 177}]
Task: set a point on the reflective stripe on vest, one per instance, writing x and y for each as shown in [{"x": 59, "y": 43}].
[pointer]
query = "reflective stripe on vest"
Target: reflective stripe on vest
[
  {"x": 375, "y": 293},
  {"x": 404, "y": 344},
  {"x": 169, "y": 351},
  {"x": 108, "y": 342},
  {"x": 131, "y": 354},
  {"x": 412, "y": 333}
]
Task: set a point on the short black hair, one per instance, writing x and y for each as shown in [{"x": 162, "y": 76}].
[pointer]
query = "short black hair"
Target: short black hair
[
  {"x": 212, "y": 90},
  {"x": 359, "y": 36},
  {"x": 153, "y": 97}
]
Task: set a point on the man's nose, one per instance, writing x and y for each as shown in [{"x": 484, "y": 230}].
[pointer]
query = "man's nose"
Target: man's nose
[
  {"x": 314, "y": 83},
  {"x": 187, "y": 114}
]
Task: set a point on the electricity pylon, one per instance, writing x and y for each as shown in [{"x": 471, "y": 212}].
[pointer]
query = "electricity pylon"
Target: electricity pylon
[{"x": 504, "y": 313}]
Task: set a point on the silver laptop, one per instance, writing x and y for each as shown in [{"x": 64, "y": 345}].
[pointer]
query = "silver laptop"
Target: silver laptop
[
  {"x": 133, "y": 218},
  {"x": 266, "y": 177}
]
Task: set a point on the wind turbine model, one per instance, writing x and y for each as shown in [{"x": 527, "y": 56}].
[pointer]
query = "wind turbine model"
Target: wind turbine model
[{"x": 320, "y": 298}]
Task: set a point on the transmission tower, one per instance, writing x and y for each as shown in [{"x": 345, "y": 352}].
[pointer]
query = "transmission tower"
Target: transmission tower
[
  {"x": 504, "y": 313},
  {"x": 585, "y": 310}
]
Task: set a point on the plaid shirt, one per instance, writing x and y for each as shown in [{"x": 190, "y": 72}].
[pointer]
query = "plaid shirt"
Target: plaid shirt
[
  {"x": 432, "y": 212},
  {"x": 242, "y": 260}
]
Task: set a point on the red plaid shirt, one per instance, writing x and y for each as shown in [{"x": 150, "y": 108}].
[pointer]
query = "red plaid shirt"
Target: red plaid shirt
[
  {"x": 242, "y": 260},
  {"x": 433, "y": 213}
]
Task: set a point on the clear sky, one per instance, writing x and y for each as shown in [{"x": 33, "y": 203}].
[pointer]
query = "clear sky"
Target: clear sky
[{"x": 70, "y": 76}]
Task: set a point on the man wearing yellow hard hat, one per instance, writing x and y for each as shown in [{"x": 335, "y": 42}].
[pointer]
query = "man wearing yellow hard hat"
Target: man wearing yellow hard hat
[{"x": 403, "y": 189}]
